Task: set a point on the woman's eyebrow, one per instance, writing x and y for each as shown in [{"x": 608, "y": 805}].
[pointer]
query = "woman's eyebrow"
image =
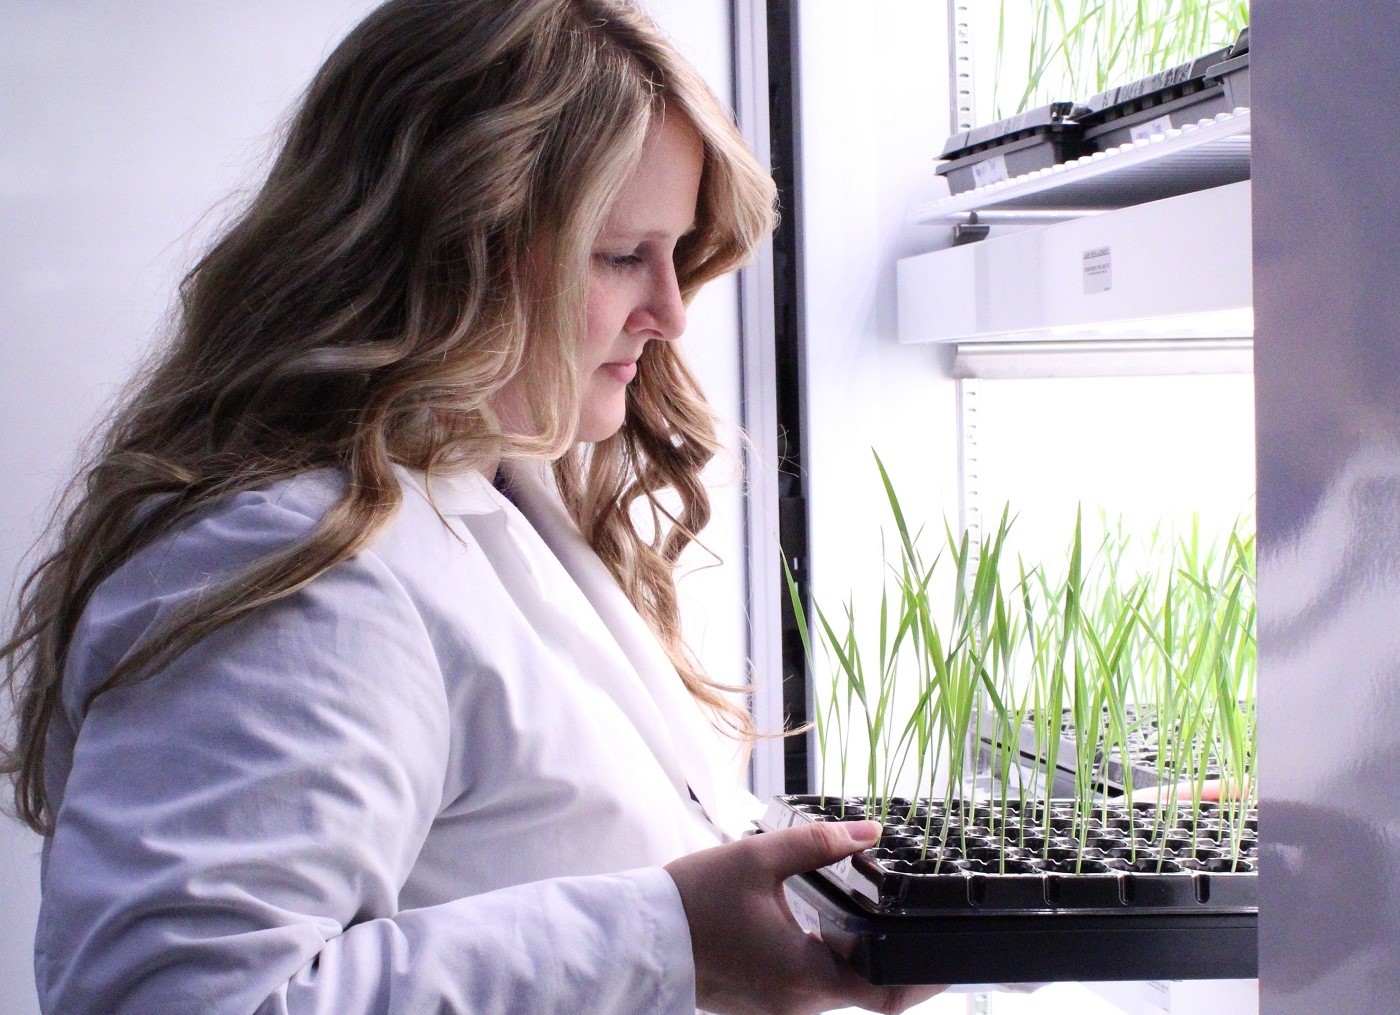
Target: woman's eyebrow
[{"x": 623, "y": 232}]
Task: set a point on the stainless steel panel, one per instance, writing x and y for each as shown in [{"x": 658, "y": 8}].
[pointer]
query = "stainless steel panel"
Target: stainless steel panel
[{"x": 1327, "y": 361}]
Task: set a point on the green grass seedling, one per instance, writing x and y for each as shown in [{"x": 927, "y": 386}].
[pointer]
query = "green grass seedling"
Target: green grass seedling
[
  {"x": 1067, "y": 50},
  {"x": 954, "y": 653}
]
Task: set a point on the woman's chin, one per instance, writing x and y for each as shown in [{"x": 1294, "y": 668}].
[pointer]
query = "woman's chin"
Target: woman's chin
[{"x": 599, "y": 426}]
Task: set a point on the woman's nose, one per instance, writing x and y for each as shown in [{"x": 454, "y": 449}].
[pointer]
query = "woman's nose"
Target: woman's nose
[{"x": 662, "y": 313}]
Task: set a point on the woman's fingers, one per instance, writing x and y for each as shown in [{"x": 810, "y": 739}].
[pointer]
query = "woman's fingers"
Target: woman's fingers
[
  {"x": 816, "y": 844},
  {"x": 750, "y": 955},
  {"x": 1213, "y": 790}
]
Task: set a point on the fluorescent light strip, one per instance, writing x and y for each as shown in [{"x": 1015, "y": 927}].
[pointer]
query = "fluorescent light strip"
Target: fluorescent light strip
[{"x": 1101, "y": 357}]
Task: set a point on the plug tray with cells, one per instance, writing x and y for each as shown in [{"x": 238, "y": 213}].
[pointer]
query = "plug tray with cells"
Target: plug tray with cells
[{"x": 964, "y": 892}]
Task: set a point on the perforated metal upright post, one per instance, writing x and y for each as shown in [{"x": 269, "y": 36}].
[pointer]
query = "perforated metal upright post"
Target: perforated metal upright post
[
  {"x": 960, "y": 88},
  {"x": 962, "y": 93}
]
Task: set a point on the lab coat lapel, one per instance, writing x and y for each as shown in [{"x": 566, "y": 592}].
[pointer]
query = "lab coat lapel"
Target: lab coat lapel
[{"x": 683, "y": 749}]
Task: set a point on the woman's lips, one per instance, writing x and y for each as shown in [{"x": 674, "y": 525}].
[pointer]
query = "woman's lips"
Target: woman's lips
[{"x": 620, "y": 372}]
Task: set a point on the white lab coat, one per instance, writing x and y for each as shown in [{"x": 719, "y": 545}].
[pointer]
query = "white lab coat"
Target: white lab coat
[{"x": 313, "y": 810}]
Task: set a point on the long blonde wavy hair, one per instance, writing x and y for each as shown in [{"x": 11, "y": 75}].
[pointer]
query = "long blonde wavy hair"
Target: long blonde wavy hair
[{"x": 377, "y": 292}]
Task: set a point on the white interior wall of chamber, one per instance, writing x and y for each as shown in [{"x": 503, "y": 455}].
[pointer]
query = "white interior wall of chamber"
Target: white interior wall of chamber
[
  {"x": 873, "y": 115},
  {"x": 1153, "y": 453}
]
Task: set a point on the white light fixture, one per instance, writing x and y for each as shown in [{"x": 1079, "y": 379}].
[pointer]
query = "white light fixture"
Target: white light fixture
[{"x": 1177, "y": 268}]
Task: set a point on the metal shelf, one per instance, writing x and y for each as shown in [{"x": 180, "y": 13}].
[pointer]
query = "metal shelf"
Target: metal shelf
[{"x": 1196, "y": 157}]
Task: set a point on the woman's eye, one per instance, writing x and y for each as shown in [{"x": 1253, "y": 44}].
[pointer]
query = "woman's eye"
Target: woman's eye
[{"x": 621, "y": 261}]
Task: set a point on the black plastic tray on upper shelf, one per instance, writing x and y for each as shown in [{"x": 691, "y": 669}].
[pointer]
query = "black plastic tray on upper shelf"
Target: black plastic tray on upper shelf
[
  {"x": 1036, "y": 139},
  {"x": 1200, "y": 108},
  {"x": 1197, "y": 90},
  {"x": 1132, "y": 898},
  {"x": 1233, "y": 73}
]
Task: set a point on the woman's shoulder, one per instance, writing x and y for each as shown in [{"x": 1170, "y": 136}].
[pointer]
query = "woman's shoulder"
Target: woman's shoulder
[
  {"x": 224, "y": 539},
  {"x": 219, "y": 540},
  {"x": 233, "y": 532},
  {"x": 238, "y": 530}
]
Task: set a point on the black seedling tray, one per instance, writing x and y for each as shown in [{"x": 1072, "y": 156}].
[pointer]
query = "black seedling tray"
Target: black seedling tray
[
  {"x": 1109, "y": 774},
  {"x": 1027, "y": 949},
  {"x": 995, "y": 900},
  {"x": 1185, "y": 94},
  {"x": 1009, "y": 148},
  {"x": 1233, "y": 73}
]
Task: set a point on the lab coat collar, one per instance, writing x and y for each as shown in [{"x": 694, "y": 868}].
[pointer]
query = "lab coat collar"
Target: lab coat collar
[
  {"x": 533, "y": 490},
  {"x": 456, "y": 493},
  {"x": 680, "y": 736}
]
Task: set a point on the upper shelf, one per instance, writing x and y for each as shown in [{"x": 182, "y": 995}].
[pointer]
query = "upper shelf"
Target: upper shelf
[{"x": 1199, "y": 156}]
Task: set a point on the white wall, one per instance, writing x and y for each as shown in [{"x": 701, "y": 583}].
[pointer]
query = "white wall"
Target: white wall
[
  {"x": 122, "y": 126},
  {"x": 712, "y": 597},
  {"x": 1153, "y": 452},
  {"x": 874, "y": 114}
]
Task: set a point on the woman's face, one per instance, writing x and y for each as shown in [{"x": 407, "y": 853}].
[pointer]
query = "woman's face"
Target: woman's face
[{"x": 633, "y": 295}]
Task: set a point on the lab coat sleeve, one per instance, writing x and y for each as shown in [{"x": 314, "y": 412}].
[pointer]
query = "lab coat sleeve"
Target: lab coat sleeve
[{"x": 234, "y": 831}]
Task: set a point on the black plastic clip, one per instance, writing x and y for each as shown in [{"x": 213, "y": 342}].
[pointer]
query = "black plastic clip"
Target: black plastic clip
[{"x": 970, "y": 231}]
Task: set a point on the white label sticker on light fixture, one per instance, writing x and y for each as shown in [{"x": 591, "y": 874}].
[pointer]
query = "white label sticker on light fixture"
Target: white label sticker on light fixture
[
  {"x": 1145, "y": 131},
  {"x": 1098, "y": 270},
  {"x": 989, "y": 171}
]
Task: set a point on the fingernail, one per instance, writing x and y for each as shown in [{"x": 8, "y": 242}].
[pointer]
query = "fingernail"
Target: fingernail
[{"x": 865, "y": 833}]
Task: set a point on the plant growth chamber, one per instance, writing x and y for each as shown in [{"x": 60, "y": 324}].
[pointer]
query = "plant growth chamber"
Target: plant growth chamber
[{"x": 1148, "y": 336}]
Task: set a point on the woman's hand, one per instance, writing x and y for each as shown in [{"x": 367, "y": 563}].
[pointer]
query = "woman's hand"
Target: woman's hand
[
  {"x": 750, "y": 955},
  {"x": 1212, "y": 790}
]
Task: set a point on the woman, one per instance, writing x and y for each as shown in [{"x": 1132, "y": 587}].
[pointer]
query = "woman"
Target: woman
[{"x": 350, "y": 638}]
